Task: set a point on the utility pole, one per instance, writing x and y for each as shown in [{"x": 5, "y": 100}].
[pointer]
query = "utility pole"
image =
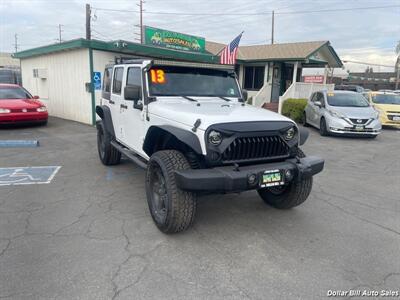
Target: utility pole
[
  {"x": 141, "y": 20},
  {"x": 88, "y": 30},
  {"x": 16, "y": 42},
  {"x": 272, "y": 28},
  {"x": 59, "y": 32},
  {"x": 398, "y": 72}
]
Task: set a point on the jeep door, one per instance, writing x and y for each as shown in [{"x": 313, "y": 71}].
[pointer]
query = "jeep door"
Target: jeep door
[
  {"x": 133, "y": 118},
  {"x": 116, "y": 101}
]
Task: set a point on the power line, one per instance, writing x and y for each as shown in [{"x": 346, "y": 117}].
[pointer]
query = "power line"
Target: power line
[
  {"x": 366, "y": 63},
  {"x": 248, "y": 14}
]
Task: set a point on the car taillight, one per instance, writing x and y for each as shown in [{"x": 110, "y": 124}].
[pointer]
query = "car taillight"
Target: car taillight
[
  {"x": 41, "y": 109},
  {"x": 4, "y": 111}
]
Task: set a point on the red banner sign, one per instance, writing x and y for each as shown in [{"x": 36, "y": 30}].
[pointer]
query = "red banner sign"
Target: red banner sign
[{"x": 313, "y": 79}]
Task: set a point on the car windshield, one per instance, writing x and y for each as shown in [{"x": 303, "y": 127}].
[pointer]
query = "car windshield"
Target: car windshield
[
  {"x": 185, "y": 81},
  {"x": 386, "y": 99},
  {"x": 347, "y": 100},
  {"x": 13, "y": 93}
]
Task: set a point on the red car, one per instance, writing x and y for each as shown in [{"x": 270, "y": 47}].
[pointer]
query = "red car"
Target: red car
[{"x": 18, "y": 106}]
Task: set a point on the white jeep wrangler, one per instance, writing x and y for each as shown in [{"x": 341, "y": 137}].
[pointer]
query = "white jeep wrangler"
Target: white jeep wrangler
[{"x": 188, "y": 126}]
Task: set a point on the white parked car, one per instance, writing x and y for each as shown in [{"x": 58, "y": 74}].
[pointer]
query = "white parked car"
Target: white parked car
[
  {"x": 188, "y": 126},
  {"x": 342, "y": 112}
]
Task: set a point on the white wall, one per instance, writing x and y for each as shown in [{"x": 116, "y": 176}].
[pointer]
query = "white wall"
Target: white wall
[{"x": 63, "y": 91}]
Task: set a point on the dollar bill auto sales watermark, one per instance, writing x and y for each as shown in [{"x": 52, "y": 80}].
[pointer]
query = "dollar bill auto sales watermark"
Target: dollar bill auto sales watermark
[{"x": 363, "y": 293}]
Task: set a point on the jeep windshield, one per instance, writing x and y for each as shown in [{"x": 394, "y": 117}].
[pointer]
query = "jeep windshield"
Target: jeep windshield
[
  {"x": 386, "y": 99},
  {"x": 186, "y": 81}
]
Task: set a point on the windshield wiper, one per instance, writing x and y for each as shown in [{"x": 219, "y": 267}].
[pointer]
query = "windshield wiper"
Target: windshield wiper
[
  {"x": 190, "y": 99},
  {"x": 226, "y": 99}
]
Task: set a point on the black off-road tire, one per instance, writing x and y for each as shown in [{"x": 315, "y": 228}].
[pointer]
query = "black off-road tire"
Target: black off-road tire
[
  {"x": 288, "y": 196},
  {"x": 107, "y": 153},
  {"x": 178, "y": 208},
  {"x": 323, "y": 131}
]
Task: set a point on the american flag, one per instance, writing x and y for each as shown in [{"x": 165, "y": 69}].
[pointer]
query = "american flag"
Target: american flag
[{"x": 228, "y": 55}]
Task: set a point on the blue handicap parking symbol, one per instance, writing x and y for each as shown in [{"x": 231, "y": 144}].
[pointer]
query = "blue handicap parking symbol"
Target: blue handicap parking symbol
[
  {"x": 27, "y": 175},
  {"x": 97, "y": 80}
]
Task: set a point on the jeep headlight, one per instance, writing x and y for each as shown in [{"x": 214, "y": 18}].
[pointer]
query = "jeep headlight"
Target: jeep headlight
[
  {"x": 214, "y": 138},
  {"x": 376, "y": 114},
  {"x": 289, "y": 134}
]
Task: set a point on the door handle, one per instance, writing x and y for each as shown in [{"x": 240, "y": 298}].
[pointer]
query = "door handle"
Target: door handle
[
  {"x": 111, "y": 101},
  {"x": 124, "y": 106}
]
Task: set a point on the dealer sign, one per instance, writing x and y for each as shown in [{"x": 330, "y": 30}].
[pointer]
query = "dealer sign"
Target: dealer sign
[
  {"x": 313, "y": 79},
  {"x": 173, "y": 40}
]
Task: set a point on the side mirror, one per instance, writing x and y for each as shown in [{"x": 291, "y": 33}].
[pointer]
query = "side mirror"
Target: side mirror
[
  {"x": 318, "y": 103},
  {"x": 244, "y": 95},
  {"x": 35, "y": 97},
  {"x": 133, "y": 92}
]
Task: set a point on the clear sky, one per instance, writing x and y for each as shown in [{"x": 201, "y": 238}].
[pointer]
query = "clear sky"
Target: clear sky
[{"x": 357, "y": 34}]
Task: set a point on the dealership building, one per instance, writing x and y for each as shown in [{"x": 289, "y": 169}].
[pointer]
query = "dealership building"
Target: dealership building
[{"x": 67, "y": 76}]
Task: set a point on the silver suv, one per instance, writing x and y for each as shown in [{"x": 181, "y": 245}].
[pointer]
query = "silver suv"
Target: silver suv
[{"x": 342, "y": 112}]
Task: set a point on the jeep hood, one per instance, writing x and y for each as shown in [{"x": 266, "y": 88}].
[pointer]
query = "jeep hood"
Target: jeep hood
[{"x": 210, "y": 112}]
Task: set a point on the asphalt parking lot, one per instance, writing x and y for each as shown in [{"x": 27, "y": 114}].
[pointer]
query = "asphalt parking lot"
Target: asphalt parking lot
[{"x": 88, "y": 234}]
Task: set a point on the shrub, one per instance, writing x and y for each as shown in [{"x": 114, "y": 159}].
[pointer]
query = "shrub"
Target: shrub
[{"x": 294, "y": 108}]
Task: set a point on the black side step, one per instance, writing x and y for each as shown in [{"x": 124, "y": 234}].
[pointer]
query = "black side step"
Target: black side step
[{"x": 129, "y": 154}]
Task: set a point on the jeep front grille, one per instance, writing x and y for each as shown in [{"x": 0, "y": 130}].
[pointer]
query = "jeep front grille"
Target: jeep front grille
[{"x": 248, "y": 148}]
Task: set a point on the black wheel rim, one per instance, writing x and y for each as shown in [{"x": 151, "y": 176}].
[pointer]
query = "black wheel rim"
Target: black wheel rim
[
  {"x": 277, "y": 190},
  {"x": 158, "y": 193},
  {"x": 102, "y": 144}
]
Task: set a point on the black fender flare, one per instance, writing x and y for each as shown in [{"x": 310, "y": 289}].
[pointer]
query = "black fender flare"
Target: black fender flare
[
  {"x": 185, "y": 136},
  {"x": 105, "y": 114},
  {"x": 304, "y": 133}
]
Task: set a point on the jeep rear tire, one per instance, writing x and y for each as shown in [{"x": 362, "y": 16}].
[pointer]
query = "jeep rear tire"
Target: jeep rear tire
[
  {"x": 107, "y": 153},
  {"x": 172, "y": 209},
  {"x": 288, "y": 196}
]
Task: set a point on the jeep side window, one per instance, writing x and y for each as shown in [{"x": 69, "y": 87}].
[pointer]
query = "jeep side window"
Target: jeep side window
[
  {"x": 134, "y": 77},
  {"x": 117, "y": 81}
]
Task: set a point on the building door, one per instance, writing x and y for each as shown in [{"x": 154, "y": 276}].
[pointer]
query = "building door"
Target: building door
[{"x": 276, "y": 83}]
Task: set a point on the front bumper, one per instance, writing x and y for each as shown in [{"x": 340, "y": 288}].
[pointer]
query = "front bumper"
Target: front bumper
[
  {"x": 28, "y": 117},
  {"x": 340, "y": 126},
  {"x": 229, "y": 179},
  {"x": 388, "y": 120}
]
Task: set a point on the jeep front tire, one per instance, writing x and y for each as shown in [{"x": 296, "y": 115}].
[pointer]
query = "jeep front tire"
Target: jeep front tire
[
  {"x": 172, "y": 209},
  {"x": 288, "y": 196},
  {"x": 107, "y": 153}
]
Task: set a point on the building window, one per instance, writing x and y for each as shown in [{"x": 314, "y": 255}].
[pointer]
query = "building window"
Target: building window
[
  {"x": 254, "y": 77},
  {"x": 117, "y": 81}
]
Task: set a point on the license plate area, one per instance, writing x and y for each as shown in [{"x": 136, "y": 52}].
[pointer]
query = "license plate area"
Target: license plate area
[
  {"x": 271, "y": 178},
  {"x": 396, "y": 118},
  {"x": 359, "y": 127}
]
